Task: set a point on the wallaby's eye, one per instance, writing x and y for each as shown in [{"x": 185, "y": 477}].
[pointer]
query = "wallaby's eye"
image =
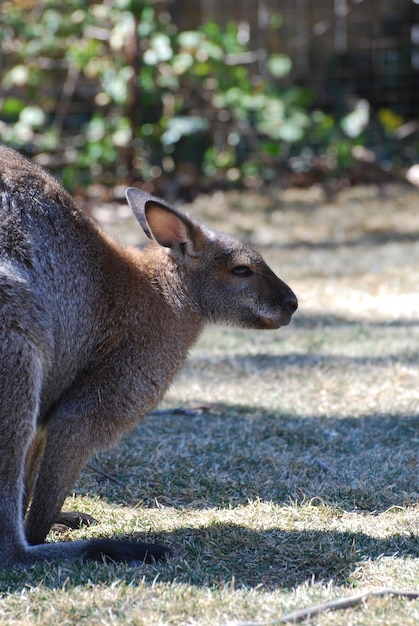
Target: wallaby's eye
[{"x": 242, "y": 271}]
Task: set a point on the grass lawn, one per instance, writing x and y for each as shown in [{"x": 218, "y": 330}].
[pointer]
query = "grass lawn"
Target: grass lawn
[{"x": 289, "y": 474}]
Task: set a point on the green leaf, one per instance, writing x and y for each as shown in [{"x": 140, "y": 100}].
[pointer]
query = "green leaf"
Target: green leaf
[
  {"x": 276, "y": 20},
  {"x": 190, "y": 39},
  {"x": 181, "y": 126},
  {"x": 12, "y": 107},
  {"x": 182, "y": 62},
  {"x": 18, "y": 75},
  {"x": 279, "y": 65},
  {"x": 32, "y": 116},
  {"x": 290, "y": 131}
]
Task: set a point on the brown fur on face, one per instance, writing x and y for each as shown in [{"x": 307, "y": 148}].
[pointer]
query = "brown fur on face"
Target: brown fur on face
[{"x": 92, "y": 335}]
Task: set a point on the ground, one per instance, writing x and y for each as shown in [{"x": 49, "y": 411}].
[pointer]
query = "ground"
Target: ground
[{"x": 282, "y": 467}]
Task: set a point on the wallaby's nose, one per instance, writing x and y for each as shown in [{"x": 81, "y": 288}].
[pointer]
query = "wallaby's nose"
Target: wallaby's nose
[{"x": 292, "y": 303}]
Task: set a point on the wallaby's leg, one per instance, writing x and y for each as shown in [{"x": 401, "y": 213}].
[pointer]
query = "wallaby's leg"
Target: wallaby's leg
[
  {"x": 72, "y": 438},
  {"x": 91, "y": 415},
  {"x": 84, "y": 421},
  {"x": 20, "y": 382},
  {"x": 66, "y": 519},
  {"x": 33, "y": 459}
]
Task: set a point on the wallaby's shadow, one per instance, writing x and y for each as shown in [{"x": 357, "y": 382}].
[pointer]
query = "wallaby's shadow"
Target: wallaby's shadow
[
  {"x": 277, "y": 558},
  {"x": 268, "y": 560}
]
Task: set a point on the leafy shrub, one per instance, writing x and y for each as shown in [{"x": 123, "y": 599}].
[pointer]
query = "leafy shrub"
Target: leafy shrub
[{"x": 114, "y": 91}]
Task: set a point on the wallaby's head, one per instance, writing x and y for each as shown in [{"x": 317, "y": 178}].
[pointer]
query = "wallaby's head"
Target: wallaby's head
[{"x": 227, "y": 280}]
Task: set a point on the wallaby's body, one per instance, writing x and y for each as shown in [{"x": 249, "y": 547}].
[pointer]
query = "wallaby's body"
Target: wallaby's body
[{"x": 92, "y": 334}]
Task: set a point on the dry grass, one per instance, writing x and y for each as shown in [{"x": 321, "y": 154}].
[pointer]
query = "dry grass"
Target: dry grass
[{"x": 297, "y": 479}]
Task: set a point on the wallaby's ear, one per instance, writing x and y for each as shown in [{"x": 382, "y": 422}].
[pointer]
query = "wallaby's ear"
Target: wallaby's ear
[
  {"x": 137, "y": 199},
  {"x": 163, "y": 224}
]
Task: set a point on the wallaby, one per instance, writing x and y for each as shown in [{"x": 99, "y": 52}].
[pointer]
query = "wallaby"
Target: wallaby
[{"x": 92, "y": 333}]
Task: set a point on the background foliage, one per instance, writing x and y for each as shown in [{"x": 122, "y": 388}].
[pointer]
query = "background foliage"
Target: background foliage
[{"x": 114, "y": 92}]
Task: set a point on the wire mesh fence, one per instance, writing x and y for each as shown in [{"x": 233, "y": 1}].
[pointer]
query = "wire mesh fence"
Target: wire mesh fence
[{"x": 339, "y": 48}]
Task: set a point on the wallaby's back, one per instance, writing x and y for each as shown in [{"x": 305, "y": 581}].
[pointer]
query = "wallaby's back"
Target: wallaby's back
[
  {"x": 91, "y": 335},
  {"x": 50, "y": 260}
]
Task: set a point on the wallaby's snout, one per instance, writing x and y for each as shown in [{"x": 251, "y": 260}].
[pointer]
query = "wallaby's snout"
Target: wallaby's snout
[
  {"x": 292, "y": 304},
  {"x": 289, "y": 303},
  {"x": 281, "y": 302},
  {"x": 288, "y": 306}
]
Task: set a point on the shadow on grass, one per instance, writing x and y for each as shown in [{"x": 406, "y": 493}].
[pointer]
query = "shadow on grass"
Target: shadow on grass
[
  {"x": 214, "y": 556},
  {"x": 234, "y": 454},
  {"x": 367, "y": 240},
  {"x": 266, "y": 362},
  {"x": 279, "y": 558},
  {"x": 338, "y": 321}
]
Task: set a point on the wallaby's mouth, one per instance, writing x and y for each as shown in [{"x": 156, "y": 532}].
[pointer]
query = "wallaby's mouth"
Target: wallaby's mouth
[{"x": 272, "y": 323}]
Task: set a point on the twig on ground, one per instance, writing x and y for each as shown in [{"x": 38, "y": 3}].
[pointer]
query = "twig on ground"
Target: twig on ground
[
  {"x": 97, "y": 470},
  {"x": 333, "y": 605},
  {"x": 346, "y": 603}
]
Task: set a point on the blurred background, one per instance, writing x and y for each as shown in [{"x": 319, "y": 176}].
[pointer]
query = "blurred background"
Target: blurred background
[{"x": 188, "y": 96}]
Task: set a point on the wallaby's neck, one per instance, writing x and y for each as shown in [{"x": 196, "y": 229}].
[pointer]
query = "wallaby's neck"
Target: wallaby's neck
[
  {"x": 163, "y": 296},
  {"x": 157, "y": 317},
  {"x": 165, "y": 281}
]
